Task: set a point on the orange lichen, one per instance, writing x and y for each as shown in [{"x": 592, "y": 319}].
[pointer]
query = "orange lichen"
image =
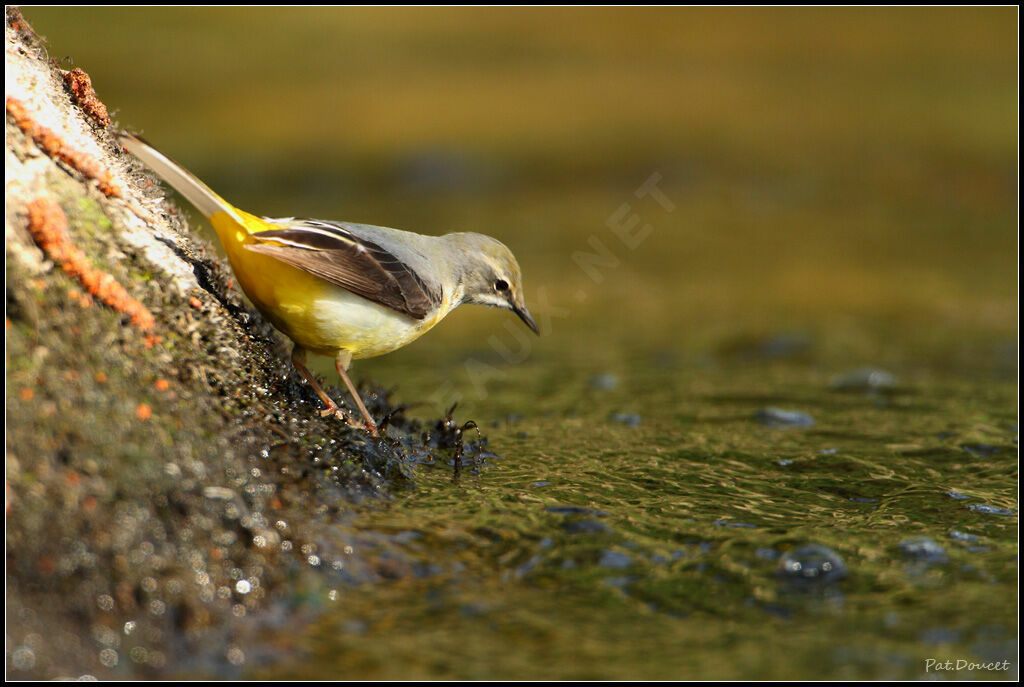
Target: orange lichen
[
  {"x": 26, "y": 394},
  {"x": 143, "y": 411},
  {"x": 49, "y": 227},
  {"x": 101, "y": 377},
  {"x": 54, "y": 146},
  {"x": 80, "y": 85},
  {"x": 195, "y": 302},
  {"x": 162, "y": 385}
]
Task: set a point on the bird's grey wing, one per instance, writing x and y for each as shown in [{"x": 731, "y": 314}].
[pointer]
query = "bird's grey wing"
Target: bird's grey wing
[{"x": 334, "y": 253}]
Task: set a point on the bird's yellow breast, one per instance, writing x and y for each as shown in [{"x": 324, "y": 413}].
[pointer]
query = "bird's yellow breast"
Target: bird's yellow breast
[{"x": 317, "y": 315}]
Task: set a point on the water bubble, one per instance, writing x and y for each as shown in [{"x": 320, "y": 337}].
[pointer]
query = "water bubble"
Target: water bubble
[
  {"x": 243, "y": 587},
  {"x": 812, "y": 564},
  {"x": 105, "y": 602},
  {"x": 23, "y": 658},
  {"x": 129, "y": 627},
  {"x": 108, "y": 657},
  {"x": 235, "y": 656}
]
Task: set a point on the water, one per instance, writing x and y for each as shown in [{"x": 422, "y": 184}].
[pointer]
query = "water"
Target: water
[
  {"x": 776, "y": 281},
  {"x": 675, "y": 563}
]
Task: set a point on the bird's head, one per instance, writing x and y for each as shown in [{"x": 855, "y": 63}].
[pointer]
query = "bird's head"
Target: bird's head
[{"x": 490, "y": 275}]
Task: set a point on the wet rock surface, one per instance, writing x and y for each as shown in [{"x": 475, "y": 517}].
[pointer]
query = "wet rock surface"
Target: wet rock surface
[{"x": 166, "y": 494}]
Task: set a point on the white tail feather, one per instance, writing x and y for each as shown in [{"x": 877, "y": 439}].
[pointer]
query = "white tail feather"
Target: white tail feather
[{"x": 182, "y": 180}]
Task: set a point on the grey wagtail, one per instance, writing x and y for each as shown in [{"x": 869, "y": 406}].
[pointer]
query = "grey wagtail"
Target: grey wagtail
[{"x": 348, "y": 290}]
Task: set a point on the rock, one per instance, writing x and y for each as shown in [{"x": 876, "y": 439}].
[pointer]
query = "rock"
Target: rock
[{"x": 629, "y": 419}]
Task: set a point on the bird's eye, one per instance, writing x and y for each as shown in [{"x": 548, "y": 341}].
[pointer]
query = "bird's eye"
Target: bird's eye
[{"x": 501, "y": 285}]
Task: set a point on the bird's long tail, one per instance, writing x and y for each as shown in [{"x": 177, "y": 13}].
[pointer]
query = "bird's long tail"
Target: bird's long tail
[{"x": 183, "y": 181}]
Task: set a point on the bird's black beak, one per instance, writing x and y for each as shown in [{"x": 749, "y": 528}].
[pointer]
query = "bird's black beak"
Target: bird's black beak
[{"x": 525, "y": 316}]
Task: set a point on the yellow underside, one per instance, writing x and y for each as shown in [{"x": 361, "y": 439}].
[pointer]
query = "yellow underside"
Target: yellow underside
[{"x": 315, "y": 314}]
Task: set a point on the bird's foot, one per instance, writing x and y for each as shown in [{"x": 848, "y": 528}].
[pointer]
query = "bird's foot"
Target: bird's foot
[{"x": 356, "y": 423}]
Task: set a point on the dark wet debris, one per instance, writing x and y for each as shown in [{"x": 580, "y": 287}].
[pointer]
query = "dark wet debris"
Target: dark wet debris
[
  {"x": 783, "y": 419},
  {"x": 811, "y": 564}
]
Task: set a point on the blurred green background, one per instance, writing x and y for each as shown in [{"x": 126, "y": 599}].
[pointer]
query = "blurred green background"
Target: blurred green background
[
  {"x": 847, "y": 172},
  {"x": 840, "y": 190}
]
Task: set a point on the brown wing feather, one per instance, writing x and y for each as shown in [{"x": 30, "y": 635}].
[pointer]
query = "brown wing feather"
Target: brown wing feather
[{"x": 351, "y": 262}]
